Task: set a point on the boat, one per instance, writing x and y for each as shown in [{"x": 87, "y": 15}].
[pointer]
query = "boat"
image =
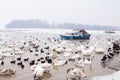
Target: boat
[
  {"x": 109, "y": 31},
  {"x": 76, "y": 34}
]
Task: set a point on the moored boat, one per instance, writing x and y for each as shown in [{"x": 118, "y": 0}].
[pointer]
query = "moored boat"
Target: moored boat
[
  {"x": 76, "y": 34},
  {"x": 109, "y": 31}
]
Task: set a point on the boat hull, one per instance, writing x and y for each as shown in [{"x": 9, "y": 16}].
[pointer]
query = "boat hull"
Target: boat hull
[{"x": 75, "y": 37}]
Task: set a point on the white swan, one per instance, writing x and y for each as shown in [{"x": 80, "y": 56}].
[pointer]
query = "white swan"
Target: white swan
[
  {"x": 75, "y": 56},
  {"x": 19, "y": 52},
  {"x": 8, "y": 54},
  {"x": 81, "y": 47},
  {"x": 79, "y": 63},
  {"x": 2, "y": 56},
  {"x": 8, "y": 71},
  {"x": 59, "y": 50},
  {"x": 51, "y": 55},
  {"x": 64, "y": 43},
  {"x": 68, "y": 50},
  {"x": 67, "y": 54},
  {"x": 89, "y": 51},
  {"x": 46, "y": 66},
  {"x": 99, "y": 49},
  {"x": 76, "y": 72},
  {"x": 87, "y": 61},
  {"x": 38, "y": 72},
  {"x": 33, "y": 67},
  {"x": 59, "y": 62}
]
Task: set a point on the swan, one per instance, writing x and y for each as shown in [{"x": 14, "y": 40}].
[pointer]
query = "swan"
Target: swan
[
  {"x": 79, "y": 63},
  {"x": 33, "y": 67},
  {"x": 66, "y": 54},
  {"x": 75, "y": 56},
  {"x": 87, "y": 61},
  {"x": 51, "y": 54},
  {"x": 68, "y": 50},
  {"x": 38, "y": 72},
  {"x": 89, "y": 51},
  {"x": 59, "y": 62},
  {"x": 76, "y": 72},
  {"x": 81, "y": 47},
  {"x": 46, "y": 66},
  {"x": 99, "y": 49},
  {"x": 59, "y": 50},
  {"x": 7, "y": 54},
  {"x": 2, "y": 56},
  {"x": 7, "y": 72}
]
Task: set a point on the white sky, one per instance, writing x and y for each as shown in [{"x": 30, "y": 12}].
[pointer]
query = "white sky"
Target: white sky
[{"x": 101, "y": 12}]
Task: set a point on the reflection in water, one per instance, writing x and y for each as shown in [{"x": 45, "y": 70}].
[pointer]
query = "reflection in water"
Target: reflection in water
[
  {"x": 55, "y": 68},
  {"x": 103, "y": 64},
  {"x": 46, "y": 76}
]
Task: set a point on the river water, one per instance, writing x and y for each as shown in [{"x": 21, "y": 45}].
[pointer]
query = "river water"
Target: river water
[{"x": 40, "y": 37}]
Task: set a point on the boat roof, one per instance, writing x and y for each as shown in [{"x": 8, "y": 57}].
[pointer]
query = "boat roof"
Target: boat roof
[{"x": 72, "y": 32}]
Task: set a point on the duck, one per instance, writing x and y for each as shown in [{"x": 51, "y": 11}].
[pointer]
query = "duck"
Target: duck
[
  {"x": 49, "y": 60},
  {"x": 20, "y": 63},
  {"x": 32, "y": 62},
  {"x": 43, "y": 61},
  {"x": 42, "y": 51},
  {"x": 38, "y": 59},
  {"x": 19, "y": 59},
  {"x": 2, "y": 62},
  {"x": 46, "y": 47},
  {"x": 13, "y": 61},
  {"x": 26, "y": 59},
  {"x": 31, "y": 50},
  {"x": 36, "y": 54},
  {"x": 42, "y": 58},
  {"x": 50, "y": 55},
  {"x": 109, "y": 56},
  {"x": 47, "y": 57},
  {"x": 22, "y": 66},
  {"x": 36, "y": 50},
  {"x": 104, "y": 58}
]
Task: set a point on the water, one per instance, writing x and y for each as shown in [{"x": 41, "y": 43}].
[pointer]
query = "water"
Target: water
[{"x": 40, "y": 37}]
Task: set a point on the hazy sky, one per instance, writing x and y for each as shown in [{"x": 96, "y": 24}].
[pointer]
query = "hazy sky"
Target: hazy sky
[{"x": 101, "y": 12}]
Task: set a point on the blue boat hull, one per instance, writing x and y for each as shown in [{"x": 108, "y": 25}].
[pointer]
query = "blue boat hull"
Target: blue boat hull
[{"x": 75, "y": 37}]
